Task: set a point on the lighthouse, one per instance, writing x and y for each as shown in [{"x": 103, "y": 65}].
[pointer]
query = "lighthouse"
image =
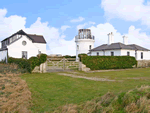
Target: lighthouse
[{"x": 84, "y": 42}]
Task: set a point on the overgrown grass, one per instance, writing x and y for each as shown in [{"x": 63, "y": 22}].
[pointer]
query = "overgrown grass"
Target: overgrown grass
[
  {"x": 11, "y": 68},
  {"x": 51, "y": 90}
]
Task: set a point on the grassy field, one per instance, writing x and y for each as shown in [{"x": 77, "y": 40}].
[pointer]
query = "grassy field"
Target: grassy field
[{"x": 51, "y": 90}]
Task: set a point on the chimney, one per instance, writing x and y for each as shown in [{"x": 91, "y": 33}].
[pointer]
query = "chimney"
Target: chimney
[
  {"x": 125, "y": 40},
  {"x": 109, "y": 39},
  {"x": 112, "y": 37}
]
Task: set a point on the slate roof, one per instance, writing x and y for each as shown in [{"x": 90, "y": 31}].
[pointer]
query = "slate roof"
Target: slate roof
[
  {"x": 115, "y": 46},
  {"x": 136, "y": 47},
  {"x": 37, "y": 38},
  {"x": 34, "y": 38}
]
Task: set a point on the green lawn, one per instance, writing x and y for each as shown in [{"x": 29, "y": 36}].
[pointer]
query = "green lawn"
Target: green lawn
[{"x": 51, "y": 90}]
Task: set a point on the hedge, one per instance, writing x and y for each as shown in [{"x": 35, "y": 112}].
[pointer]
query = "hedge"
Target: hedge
[
  {"x": 29, "y": 64},
  {"x": 109, "y": 62},
  {"x": 82, "y": 55},
  {"x": 22, "y": 63}
]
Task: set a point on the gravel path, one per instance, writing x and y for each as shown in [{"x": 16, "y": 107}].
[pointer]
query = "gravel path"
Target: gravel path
[{"x": 88, "y": 78}]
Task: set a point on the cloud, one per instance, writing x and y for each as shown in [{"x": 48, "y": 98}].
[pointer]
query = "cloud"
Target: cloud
[
  {"x": 82, "y": 26},
  {"x": 135, "y": 36},
  {"x": 129, "y": 10},
  {"x": 55, "y": 39},
  {"x": 63, "y": 28},
  {"x": 80, "y": 19},
  {"x": 56, "y": 42}
]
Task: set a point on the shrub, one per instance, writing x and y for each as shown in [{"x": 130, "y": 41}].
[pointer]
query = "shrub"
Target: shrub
[
  {"x": 30, "y": 64},
  {"x": 108, "y": 62},
  {"x": 81, "y": 56},
  {"x": 42, "y": 58},
  {"x": 34, "y": 61},
  {"x": 22, "y": 63}
]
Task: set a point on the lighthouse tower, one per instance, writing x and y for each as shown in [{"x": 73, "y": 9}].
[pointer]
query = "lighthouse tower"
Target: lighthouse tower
[{"x": 84, "y": 42}]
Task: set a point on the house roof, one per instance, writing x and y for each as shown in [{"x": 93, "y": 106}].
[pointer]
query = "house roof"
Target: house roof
[
  {"x": 118, "y": 45},
  {"x": 137, "y": 47},
  {"x": 34, "y": 38},
  {"x": 37, "y": 38}
]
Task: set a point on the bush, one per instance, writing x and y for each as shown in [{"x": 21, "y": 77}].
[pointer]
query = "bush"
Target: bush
[
  {"x": 81, "y": 56},
  {"x": 34, "y": 61},
  {"x": 22, "y": 63},
  {"x": 30, "y": 64},
  {"x": 42, "y": 58},
  {"x": 109, "y": 62}
]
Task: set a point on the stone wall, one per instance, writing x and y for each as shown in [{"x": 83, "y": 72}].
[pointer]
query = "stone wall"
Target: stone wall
[
  {"x": 83, "y": 67},
  {"x": 40, "y": 69},
  {"x": 143, "y": 63}
]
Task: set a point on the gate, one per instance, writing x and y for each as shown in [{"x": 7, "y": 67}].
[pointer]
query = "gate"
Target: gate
[{"x": 61, "y": 64}]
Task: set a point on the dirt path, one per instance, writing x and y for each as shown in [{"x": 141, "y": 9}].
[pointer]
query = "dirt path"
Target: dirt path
[{"x": 88, "y": 78}]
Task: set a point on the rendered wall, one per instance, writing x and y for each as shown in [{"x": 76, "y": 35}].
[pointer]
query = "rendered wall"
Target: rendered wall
[
  {"x": 84, "y": 46},
  {"x": 41, "y": 47},
  {"x": 146, "y": 55},
  {"x": 124, "y": 52},
  {"x": 15, "y": 49},
  {"x": 107, "y": 53}
]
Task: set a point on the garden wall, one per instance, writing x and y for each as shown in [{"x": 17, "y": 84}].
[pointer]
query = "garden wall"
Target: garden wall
[{"x": 143, "y": 63}]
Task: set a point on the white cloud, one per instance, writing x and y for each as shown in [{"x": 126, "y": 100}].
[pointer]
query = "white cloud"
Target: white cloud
[
  {"x": 54, "y": 38},
  {"x": 130, "y": 10},
  {"x": 80, "y": 19},
  {"x": 63, "y": 28},
  {"x": 81, "y": 26},
  {"x": 135, "y": 36}
]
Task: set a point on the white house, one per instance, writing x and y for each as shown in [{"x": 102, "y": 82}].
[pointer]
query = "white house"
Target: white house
[
  {"x": 22, "y": 45},
  {"x": 120, "y": 49}
]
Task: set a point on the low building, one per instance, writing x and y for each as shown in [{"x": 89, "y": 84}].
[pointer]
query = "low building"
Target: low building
[{"x": 120, "y": 49}]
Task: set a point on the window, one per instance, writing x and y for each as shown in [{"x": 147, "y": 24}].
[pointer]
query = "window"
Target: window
[
  {"x": 24, "y": 54},
  {"x": 97, "y": 53},
  {"x": 77, "y": 47},
  {"x": 24, "y": 43},
  {"x": 128, "y": 53},
  {"x": 141, "y": 55},
  {"x": 90, "y": 47},
  {"x": 112, "y": 53}
]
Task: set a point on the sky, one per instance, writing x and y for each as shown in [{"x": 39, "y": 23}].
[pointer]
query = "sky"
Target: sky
[{"x": 59, "y": 20}]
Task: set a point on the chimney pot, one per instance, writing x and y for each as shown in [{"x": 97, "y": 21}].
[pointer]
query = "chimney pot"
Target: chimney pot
[{"x": 125, "y": 40}]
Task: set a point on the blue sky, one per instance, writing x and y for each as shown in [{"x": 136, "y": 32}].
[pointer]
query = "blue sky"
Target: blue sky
[{"x": 122, "y": 17}]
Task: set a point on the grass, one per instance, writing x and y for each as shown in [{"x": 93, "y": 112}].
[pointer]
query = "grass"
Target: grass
[{"x": 51, "y": 90}]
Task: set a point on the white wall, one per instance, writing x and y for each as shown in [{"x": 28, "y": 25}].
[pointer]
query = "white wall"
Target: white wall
[
  {"x": 15, "y": 49},
  {"x": 107, "y": 53},
  {"x": 41, "y": 47},
  {"x": 124, "y": 52},
  {"x": 84, "y": 45},
  {"x": 3, "y": 55},
  {"x": 146, "y": 55}
]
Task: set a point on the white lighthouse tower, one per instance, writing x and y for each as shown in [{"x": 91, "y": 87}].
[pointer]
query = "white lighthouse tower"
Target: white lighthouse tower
[{"x": 84, "y": 42}]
